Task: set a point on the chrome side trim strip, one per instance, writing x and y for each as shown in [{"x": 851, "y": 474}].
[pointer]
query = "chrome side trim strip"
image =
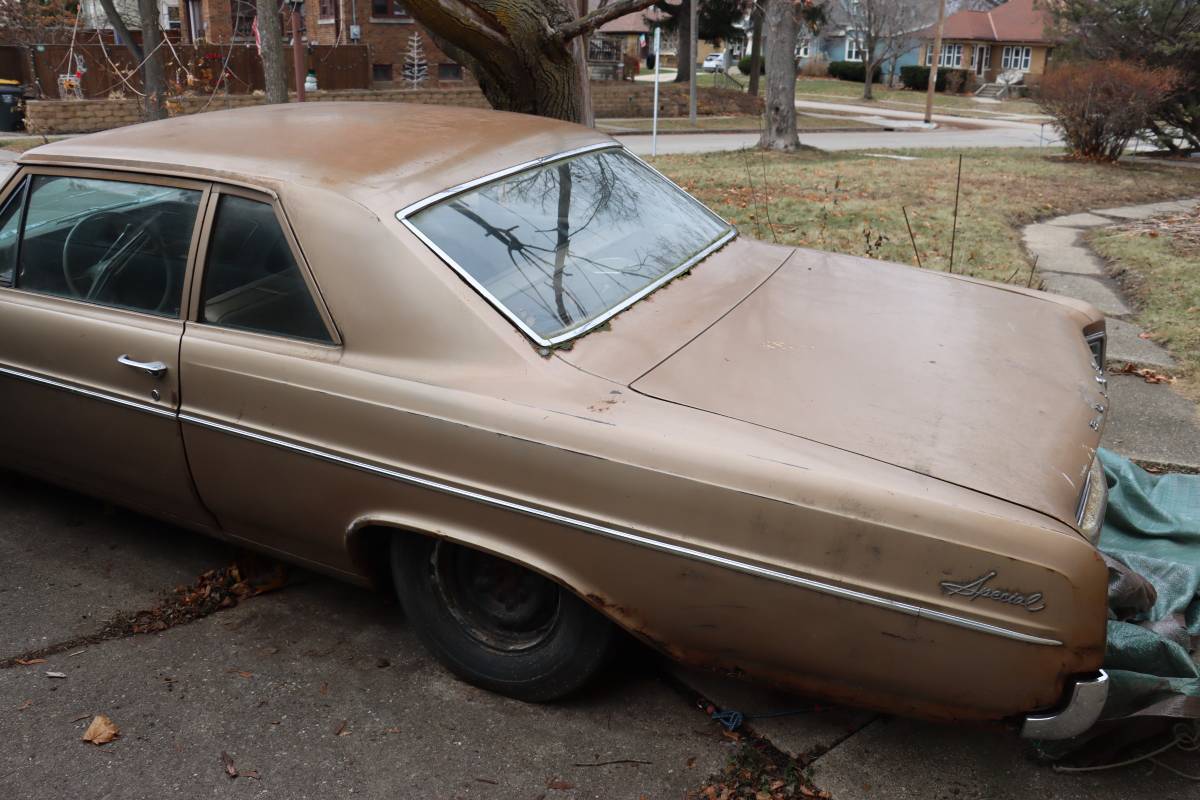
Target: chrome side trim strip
[
  {"x": 91, "y": 393},
  {"x": 622, "y": 535},
  {"x": 1085, "y": 703},
  {"x": 403, "y": 216}
]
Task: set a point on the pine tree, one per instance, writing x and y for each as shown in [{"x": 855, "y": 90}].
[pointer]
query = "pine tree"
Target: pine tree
[{"x": 415, "y": 68}]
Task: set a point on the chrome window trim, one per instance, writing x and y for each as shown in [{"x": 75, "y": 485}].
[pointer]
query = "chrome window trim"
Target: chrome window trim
[
  {"x": 1102, "y": 337},
  {"x": 1084, "y": 496},
  {"x": 92, "y": 393},
  {"x": 630, "y": 537},
  {"x": 403, "y": 216}
]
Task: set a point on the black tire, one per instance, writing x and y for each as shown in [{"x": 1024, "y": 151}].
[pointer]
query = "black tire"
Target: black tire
[{"x": 496, "y": 624}]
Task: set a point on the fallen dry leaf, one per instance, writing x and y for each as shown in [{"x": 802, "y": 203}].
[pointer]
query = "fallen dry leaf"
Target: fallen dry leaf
[
  {"x": 230, "y": 768},
  {"x": 28, "y": 662},
  {"x": 102, "y": 730},
  {"x": 560, "y": 785},
  {"x": 341, "y": 728},
  {"x": 252, "y": 773},
  {"x": 24, "y": 705},
  {"x": 56, "y": 674},
  {"x": 241, "y": 672}
]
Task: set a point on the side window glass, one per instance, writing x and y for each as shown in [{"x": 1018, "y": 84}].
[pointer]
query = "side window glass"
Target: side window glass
[
  {"x": 111, "y": 243},
  {"x": 10, "y": 229},
  {"x": 251, "y": 280}
]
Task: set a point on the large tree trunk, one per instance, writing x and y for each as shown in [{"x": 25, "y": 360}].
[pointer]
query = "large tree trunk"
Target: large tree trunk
[
  {"x": 683, "y": 49},
  {"x": 756, "y": 48},
  {"x": 270, "y": 33},
  {"x": 779, "y": 129},
  {"x": 154, "y": 79},
  {"x": 868, "y": 77}
]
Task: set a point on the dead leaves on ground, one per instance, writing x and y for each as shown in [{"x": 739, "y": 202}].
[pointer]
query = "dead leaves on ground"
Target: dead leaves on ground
[
  {"x": 1148, "y": 375},
  {"x": 102, "y": 730}
]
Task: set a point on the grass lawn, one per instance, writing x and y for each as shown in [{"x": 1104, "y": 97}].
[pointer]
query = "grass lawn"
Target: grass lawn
[
  {"x": 851, "y": 203},
  {"x": 804, "y": 122},
  {"x": 831, "y": 90},
  {"x": 1160, "y": 269}
]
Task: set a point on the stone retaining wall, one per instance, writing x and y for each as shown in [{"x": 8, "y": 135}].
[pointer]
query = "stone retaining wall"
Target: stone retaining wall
[{"x": 609, "y": 99}]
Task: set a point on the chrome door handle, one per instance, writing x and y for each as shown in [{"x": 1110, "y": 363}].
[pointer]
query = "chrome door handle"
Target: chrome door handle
[{"x": 155, "y": 368}]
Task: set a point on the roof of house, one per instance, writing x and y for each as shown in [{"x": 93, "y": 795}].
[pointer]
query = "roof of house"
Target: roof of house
[
  {"x": 633, "y": 22},
  {"x": 1015, "y": 21}
]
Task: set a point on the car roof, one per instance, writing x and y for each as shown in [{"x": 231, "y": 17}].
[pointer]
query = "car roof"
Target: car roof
[{"x": 383, "y": 155}]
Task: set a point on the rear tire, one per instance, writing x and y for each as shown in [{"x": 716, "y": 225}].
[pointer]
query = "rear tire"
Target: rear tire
[{"x": 496, "y": 624}]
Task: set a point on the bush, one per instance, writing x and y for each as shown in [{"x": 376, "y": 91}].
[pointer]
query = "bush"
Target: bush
[
  {"x": 851, "y": 71},
  {"x": 1098, "y": 106},
  {"x": 744, "y": 64},
  {"x": 815, "y": 67},
  {"x": 917, "y": 78}
]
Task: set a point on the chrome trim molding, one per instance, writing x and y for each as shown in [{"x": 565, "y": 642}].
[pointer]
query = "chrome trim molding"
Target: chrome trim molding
[
  {"x": 92, "y": 393},
  {"x": 403, "y": 216},
  {"x": 622, "y": 535},
  {"x": 1085, "y": 701}
]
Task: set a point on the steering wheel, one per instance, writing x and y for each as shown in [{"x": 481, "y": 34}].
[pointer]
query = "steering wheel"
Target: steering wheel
[{"x": 122, "y": 242}]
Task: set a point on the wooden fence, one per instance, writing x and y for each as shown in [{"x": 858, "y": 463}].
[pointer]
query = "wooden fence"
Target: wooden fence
[{"x": 193, "y": 69}]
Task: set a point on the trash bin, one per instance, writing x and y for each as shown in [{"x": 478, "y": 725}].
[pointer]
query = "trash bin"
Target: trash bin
[{"x": 10, "y": 105}]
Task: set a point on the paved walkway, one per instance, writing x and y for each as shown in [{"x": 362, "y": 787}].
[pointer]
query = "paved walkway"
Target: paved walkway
[{"x": 1149, "y": 423}]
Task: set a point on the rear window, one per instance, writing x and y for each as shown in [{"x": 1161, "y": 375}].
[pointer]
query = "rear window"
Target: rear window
[{"x": 562, "y": 246}]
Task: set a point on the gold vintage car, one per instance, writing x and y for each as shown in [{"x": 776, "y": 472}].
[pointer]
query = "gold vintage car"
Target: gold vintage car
[{"x": 502, "y": 364}]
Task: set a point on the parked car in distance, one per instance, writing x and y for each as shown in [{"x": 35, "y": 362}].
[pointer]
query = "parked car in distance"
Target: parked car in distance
[
  {"x": 714, "y": 62},
  {"x": 458, "y": 362}
]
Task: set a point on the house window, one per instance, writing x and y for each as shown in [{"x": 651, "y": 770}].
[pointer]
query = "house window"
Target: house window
[
  {"x": 450, "y": 71},
  {"x": 381, "y": 72},
  {"x": 241, "y": 18},
  {"x": 803, "y": 49},
  {"x": 952, "y": 55},
  {"x": 854, "y": 52},
  {"x": 1015, "y": 57},
  {"x": 327, "y": 9},
  {"x": 389, "y": 9}
]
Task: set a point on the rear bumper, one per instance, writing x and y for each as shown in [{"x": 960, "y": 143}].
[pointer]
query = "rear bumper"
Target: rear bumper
[{"x": 1085, "y": 701}]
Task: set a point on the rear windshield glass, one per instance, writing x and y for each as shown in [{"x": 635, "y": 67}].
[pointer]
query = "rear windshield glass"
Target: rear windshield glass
[{"x": 564, "y": 245}]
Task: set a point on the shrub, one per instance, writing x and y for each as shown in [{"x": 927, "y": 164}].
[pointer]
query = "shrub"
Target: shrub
[
  {"x": 917, "y": 78},
  {"x": 1098, "y": 106},
  {"x": 744, "y": 64},
  {"x": 815, "y": 67},
  {"x": 851, "y": 71}
]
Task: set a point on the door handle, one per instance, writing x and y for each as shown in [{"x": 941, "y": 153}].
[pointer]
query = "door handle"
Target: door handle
[{"x": 155, "y": 368}]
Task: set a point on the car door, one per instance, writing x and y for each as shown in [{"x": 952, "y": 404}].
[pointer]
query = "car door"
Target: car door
[
  {"x": 94, "y": 270},
  {"x": 260, "y": 360}
]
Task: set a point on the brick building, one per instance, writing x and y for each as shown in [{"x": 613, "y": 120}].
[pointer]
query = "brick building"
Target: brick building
[{"x": 384, "y": 26}]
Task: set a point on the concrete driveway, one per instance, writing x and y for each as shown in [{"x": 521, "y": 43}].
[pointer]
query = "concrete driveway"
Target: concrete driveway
[{"x": 316, "y": 690}]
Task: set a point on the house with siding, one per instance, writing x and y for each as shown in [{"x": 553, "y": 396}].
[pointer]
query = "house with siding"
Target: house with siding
[
  {"x": 839, "y": 41},
  {"x": 1014, "y": 36}
]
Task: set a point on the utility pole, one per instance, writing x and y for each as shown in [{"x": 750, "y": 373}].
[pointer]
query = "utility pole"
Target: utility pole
[
  {"x": 933, "y": 62},
  {"x": 695, "y": 36}
]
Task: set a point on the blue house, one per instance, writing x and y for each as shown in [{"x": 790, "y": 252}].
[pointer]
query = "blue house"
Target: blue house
[{"x": 838, "y": 41}]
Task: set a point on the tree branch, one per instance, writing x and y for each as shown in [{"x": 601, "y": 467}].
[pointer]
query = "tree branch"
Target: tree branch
[{"x": 589, "y": 22}]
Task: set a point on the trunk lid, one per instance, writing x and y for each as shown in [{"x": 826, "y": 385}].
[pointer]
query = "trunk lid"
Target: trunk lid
[{"x": 968, "y": 383}]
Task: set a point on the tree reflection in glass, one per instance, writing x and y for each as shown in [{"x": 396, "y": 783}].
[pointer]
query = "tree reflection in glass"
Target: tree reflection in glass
[{"x": 562, "y": 245}]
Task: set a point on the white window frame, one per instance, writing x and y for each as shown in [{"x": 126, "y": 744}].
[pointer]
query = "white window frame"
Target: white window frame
[
  {"x": 952, "y": 55},
  {"x": 1016, "y": 57},
  {"x": 802, "y": 51},
  {"x": 854, "y": 52}
]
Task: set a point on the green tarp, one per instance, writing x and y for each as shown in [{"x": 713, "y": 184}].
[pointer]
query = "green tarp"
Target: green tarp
[{"x": 1152, "y": 528}]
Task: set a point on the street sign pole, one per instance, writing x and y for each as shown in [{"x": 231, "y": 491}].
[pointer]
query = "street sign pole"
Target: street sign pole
[{"x": 654, "y": 124}]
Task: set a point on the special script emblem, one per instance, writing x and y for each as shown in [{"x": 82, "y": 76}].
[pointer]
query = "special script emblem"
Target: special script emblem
[{"x": 977, "y": 588}]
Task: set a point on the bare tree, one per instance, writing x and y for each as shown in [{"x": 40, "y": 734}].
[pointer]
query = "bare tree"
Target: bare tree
[
  {"x": 148, "y": 56},
  {"x": 27, "y": 24},
  {"x": 779, "y": 126},
  {"x": 756, "y": 54},
  {"x": 521, "y": 51},
  {"x": 882, "y": 29},
  {"x": 270, "y": 37}
]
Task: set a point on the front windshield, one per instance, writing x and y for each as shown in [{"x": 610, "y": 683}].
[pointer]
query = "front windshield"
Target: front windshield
[{"x": 562, "y": 246}]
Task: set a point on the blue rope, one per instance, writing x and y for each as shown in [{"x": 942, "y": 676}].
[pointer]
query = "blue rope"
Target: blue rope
[{"x": 732, "y": 720}]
